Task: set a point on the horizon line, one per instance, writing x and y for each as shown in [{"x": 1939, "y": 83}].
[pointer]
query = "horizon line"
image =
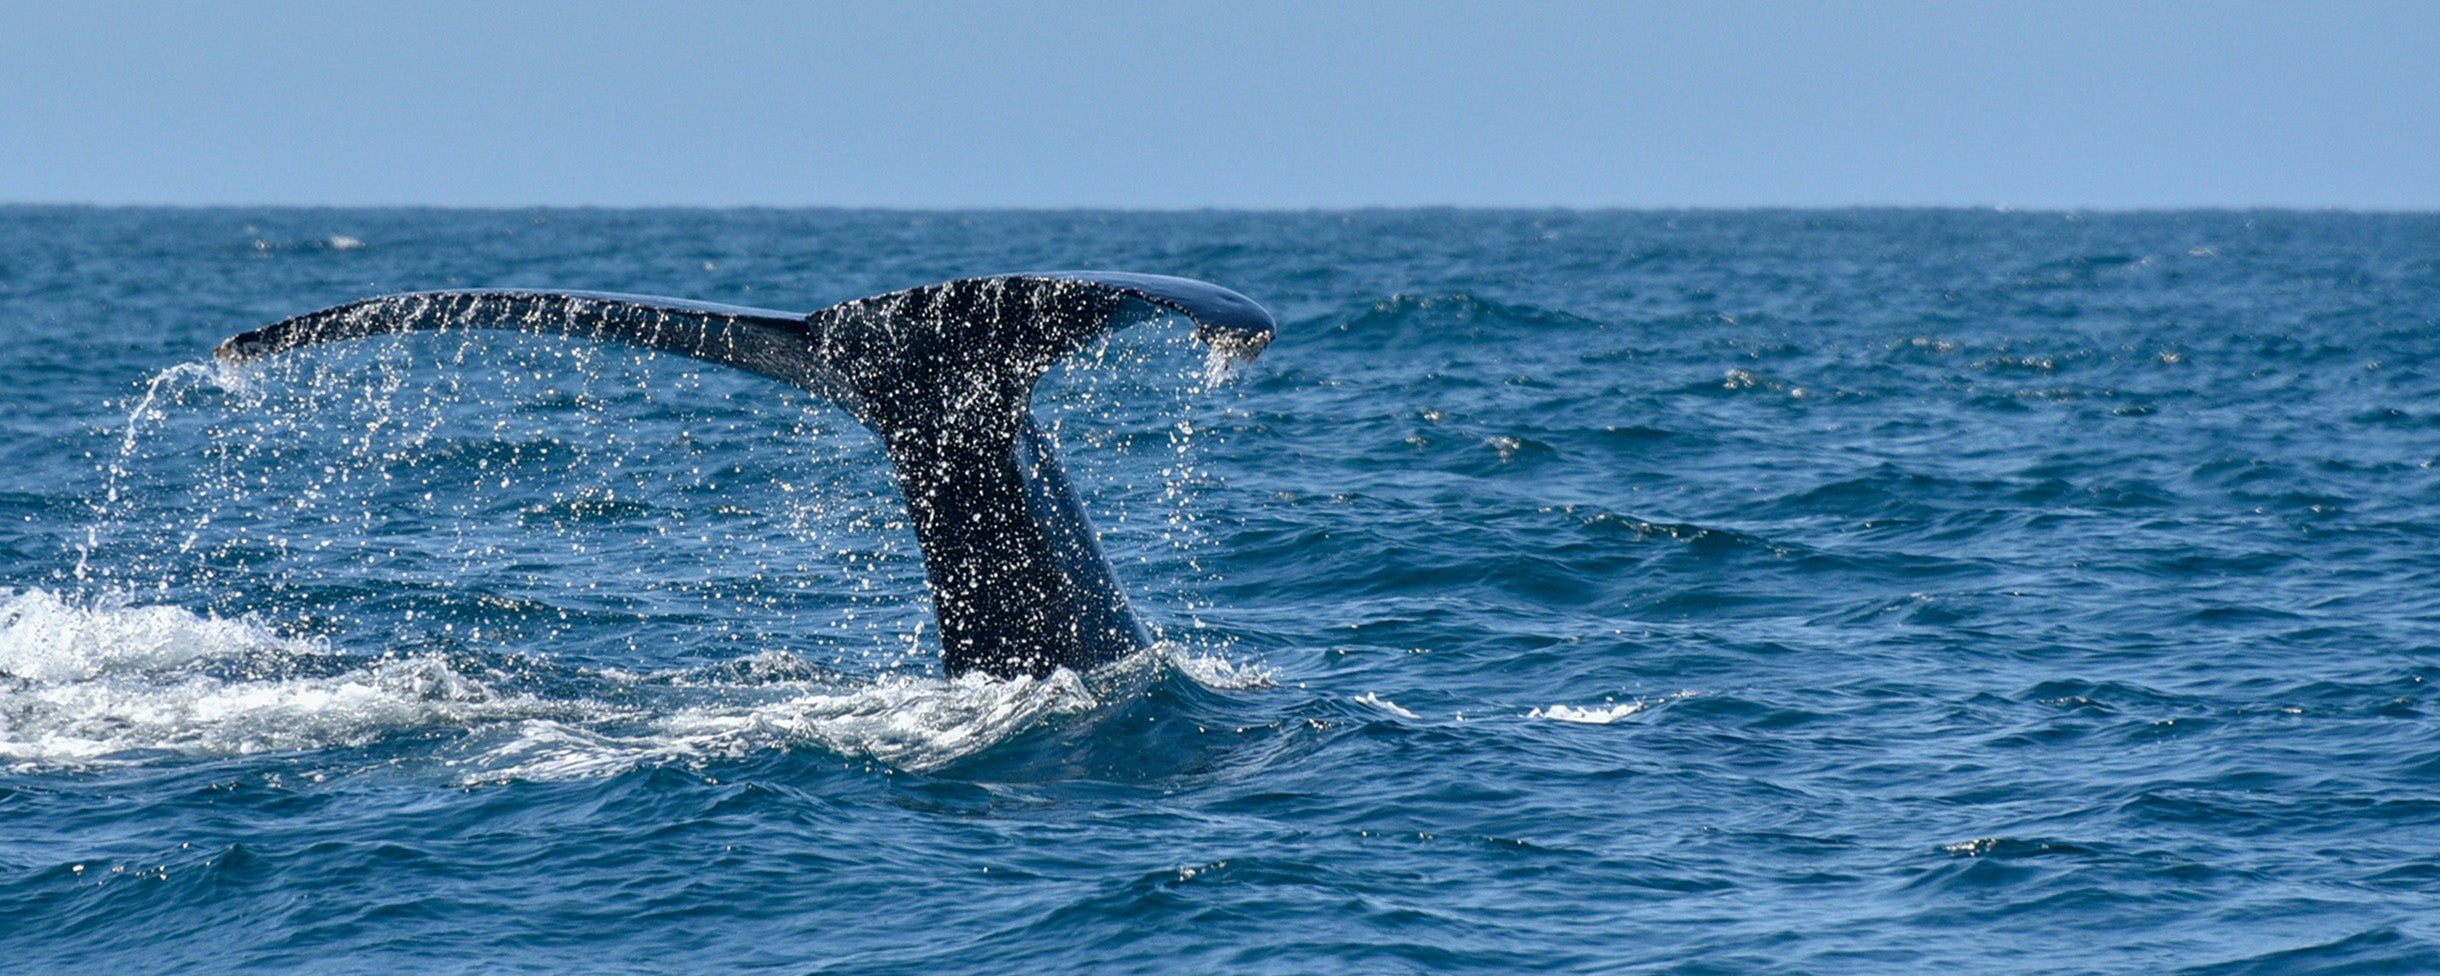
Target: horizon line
[{"x": 1240, "y": 209}]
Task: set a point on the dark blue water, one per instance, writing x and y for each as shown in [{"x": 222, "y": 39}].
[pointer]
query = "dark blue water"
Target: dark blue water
[{"x": 1788, "y": 592}]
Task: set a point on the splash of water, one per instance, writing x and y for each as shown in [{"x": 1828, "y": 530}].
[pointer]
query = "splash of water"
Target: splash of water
[
  {"x": 84, "y": 685},
  {"x": 433, "y": 511}
]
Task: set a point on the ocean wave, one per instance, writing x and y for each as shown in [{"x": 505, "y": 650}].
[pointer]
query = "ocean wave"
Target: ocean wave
[
  {"x": 1606, "y": 713},
  {"x": 1406, "y": 319}
]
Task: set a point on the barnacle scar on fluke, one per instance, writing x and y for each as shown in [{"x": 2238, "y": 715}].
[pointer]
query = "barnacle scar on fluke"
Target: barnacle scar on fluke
[{"x": 944, "y": 375}]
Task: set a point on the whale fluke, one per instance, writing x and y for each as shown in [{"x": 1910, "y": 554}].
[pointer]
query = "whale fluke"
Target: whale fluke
[{"x": 944, "y": 375}]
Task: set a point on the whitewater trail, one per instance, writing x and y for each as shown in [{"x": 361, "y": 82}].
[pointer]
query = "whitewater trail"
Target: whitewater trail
[{"x": 108, "y": 683}]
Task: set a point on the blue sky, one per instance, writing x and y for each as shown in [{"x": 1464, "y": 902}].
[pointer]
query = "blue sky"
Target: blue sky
[{"x": 1245, "y": 104}]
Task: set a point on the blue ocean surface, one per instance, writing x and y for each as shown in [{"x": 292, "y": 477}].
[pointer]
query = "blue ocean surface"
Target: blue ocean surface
[{"x": 1696, "y": 592}]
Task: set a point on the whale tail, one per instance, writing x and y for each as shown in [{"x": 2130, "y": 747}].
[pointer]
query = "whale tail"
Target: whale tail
[{"x": 944, "y": 376}]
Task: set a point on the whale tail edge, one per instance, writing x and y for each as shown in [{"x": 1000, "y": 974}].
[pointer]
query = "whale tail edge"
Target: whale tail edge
[{"x": 944, "y": 375}]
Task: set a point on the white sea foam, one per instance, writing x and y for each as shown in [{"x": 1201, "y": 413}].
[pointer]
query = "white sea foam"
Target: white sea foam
[
  {"x": 45, "y": 639},
  {"x": 1602, "y": 714},
  {"x": 1375, "y": 700},
  {"x": 80, "y": 684},
  {"x": 1598, "y": 715},
  {"x": 1212, "y": 670},
  {"x": 919, "y": 722},
  {"x": 905, "y": 721},
  {"x": 85, "y": 685}
]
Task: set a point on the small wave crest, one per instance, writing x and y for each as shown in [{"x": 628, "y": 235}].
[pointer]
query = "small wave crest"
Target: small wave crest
[{"x": 1602, "y": 714}]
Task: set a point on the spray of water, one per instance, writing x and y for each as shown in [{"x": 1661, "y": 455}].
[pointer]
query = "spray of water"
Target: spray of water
[{"x": 558, "y": 553}]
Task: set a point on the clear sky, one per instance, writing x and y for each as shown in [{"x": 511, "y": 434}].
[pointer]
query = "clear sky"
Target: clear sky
[{"x": 1239, "y": 104}]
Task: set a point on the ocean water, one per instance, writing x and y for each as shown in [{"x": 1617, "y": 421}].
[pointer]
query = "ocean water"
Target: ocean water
[{"x": 1693, "y": 592}]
